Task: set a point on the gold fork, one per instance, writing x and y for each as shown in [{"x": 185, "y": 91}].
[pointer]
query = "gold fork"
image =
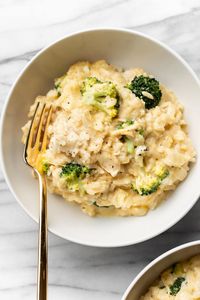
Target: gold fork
[{"x": 35, "y": 146}]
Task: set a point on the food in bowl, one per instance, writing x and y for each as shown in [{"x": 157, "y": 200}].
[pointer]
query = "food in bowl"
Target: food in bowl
[
  {"x": 181, "y": 281},
  {"x": 118, "y": 142}
]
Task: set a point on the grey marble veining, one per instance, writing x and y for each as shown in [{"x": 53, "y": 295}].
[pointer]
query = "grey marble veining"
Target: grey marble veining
[{"x": 80, "y": 272}]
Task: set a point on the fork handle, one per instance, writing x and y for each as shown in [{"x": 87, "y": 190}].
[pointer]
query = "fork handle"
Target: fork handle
[{"x": 42, "y": 276}]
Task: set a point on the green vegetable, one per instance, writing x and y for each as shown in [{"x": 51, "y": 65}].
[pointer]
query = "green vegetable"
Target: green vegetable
[
  {"x": 148, "y": 187},
  {"x": 177, "y": 269},
  {"x": 102, "y": 95},
  {"x": 45, "y": 167},
  {"x": 129, "y": 144},
  {"x": 124, "y": 138},
  {"x": 73, "y": 173},
  {"x": 42, "y": 165},
  {"x": 88, "y": 83},
  {"x": 58, "y": 88},
  {"x": 140, "y": 131},
  {"x": 95, "y": 204},
  {"x": 162, "y": 173},
  {"x": 176, "y": 286},
  {"x": 147, "y": 184},
  {"x": 123, "y": 125},
  {"x": 147, "y": 89}
]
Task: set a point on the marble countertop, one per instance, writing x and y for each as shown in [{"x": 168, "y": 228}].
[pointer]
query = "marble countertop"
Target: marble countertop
[{"x": 80, "y": 272}]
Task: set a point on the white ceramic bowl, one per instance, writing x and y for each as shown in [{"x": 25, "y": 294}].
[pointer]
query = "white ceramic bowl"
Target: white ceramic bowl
[
  {"x": 122, "y": 48},
  {"x": 149, "y": 274}
]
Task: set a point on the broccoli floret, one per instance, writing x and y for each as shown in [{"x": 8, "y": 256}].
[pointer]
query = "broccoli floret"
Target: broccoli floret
[
  {"x": 123, "y": 125},
  {"x": 102, "y": 95},
  {"x": 146, "y": 187},
  {"x": 176, "y": 286},
  {"x": 149, "y": 183},
  {"x": 73, "y": 173},
  {"x": 88, "y": 83},
  {"x": 147, "y": 89},
  {"x": 161, "y": 173}
]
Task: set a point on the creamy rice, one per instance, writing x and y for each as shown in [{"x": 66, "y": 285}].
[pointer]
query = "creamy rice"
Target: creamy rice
[
  {"x": 180, "y": 282},
  {"x": 83, "y": 134}
]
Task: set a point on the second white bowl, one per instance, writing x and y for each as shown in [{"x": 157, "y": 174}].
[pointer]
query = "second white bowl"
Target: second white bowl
[{"x": 148, "y": 275}]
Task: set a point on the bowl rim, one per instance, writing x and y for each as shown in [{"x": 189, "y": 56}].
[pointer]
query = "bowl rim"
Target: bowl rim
[
  {"x": 6, "y": 103},
  {"x": 155, "y": 261}
]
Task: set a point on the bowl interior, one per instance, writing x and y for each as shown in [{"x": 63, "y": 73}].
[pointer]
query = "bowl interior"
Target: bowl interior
[
  {"x": 124, "y": 49},
  {"x": 146, "y": 278}
]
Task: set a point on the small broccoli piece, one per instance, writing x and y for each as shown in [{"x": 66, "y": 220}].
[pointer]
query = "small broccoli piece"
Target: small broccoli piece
[
  {"x": 148, "y": 186},
  {"x": 88, "y": 83},
  {"x": 45, "y": 167},
  {"x": 123, "y": 125},
  {"x": 161, "y": 173},
  {"x": 42, "y": 165},
  {"x": 95, "y": 204},
  {"x": 147, "y": 89},
  {"x": 149, "y": 183},
  {"x": 129, "y": 144},
  {"x": 73, "y": 173},
  {"x": 58, "y": 84},
  {"x": 176, "y": 286},
  {"x": 177, "y": 269},
  {"x": 102, "y": 95},
  {"x": 140, "y": 131},
  {"x": 124, "y": 138},
  {"x": 58, "y": 88}
]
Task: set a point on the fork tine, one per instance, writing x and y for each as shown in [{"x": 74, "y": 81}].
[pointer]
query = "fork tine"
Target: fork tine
[
  {"x": 39, "y": 128},
  {"x": 44, "y": 141},
  {"x": 30, "y": 135},
  {"x": 37, "y": 138}
]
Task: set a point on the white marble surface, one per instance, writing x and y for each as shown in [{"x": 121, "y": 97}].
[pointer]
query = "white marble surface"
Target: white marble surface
[{"x": 79, "y": 272}]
